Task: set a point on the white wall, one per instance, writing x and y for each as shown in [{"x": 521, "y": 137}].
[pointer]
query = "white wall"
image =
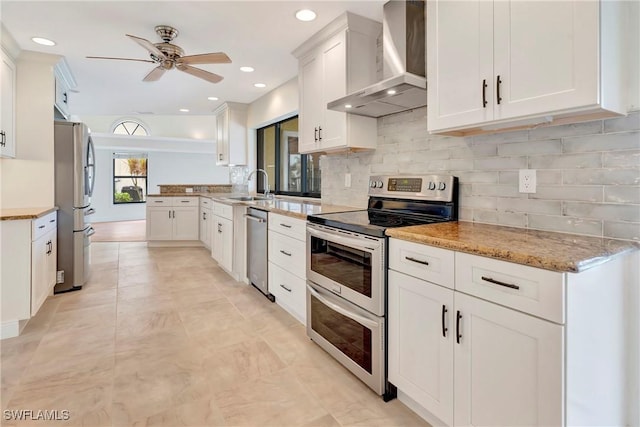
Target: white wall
[
  {"x": 171, "y": 161},
  {"x": 27, "y": 180},
  {"x": 171, "y": 126}
]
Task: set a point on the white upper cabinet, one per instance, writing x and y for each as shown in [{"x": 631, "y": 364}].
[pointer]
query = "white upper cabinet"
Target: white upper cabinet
[
  {"x": 505, "y": 64},
  {"x": 64, "y": 82},
  {"x": 231, "y": 131},
  {"x": 7, "y": 108},
  {"x": 339, "y": 59}
]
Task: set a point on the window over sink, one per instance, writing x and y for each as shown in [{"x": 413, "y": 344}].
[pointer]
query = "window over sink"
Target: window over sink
[{"x": 290, "y": 173}]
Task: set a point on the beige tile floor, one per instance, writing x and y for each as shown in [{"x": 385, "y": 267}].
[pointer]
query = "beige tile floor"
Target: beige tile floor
[{"x": 163, "y": 337}]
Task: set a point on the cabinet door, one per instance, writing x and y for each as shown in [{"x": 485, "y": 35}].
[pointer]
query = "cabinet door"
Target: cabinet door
[
  {"x": 7, "y": 107},
  {"x": 159, "y": 223},
  {"x": 185, "y": 223},
  {"x": 508, "y": 367},
  {"x": 546, "y": 54},
  {"x": 39, "y": 269},
  {"x": 421, "y": 337},
  {"x": 333, "y": 128},
  {"x": 226, "y": 260},
  {"x": 459, "y": 63},
  {"x": 222, "y": 133},
  {"x": 52, "y": 258},
  {"x": 205, "y": 233},
  {"x": 310, "y": 83}
]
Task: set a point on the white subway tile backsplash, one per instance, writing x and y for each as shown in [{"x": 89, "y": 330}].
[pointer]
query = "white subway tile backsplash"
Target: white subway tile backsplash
[
  {"x": 549, "y": 132},
  {"x": 610, "y": 211},
  {"x": 602, "y": 176},
  {"x": 565, "y": 224},
  {"x": 592, "y": 187},
  {"x": 622, "y": 230},
  {"x": 631, "y": 122},
  {"x": 622, "y": 194},
  {"x": 606, "y": 142},
  {"x": 569, "y": 192},
  {"x": 566, "y": 161}
]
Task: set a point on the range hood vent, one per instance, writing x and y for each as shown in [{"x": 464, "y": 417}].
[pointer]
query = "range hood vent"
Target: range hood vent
[{"x": 403, "y": 49}]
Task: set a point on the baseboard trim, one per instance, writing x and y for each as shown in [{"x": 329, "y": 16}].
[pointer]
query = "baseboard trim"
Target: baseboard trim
[
  {"x": 9, "y": 329},
  {"x": 174, "y": 243}
]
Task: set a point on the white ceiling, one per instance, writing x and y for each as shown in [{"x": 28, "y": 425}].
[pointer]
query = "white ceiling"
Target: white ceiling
[{"x": 260, "y": 34}]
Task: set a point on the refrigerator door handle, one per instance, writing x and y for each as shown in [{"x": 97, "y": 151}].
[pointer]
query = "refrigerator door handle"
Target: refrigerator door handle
[
  {"x": 90, "y": 211},
  {"x": 90, "y": 232}
]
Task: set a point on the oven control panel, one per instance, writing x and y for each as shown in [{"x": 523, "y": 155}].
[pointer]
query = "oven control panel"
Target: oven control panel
[{"x": 426, "y": 187}]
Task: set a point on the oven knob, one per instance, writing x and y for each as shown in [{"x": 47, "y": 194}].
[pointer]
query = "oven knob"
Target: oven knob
[
  {"x": 442, "y": 186},
  {"x": 379, "y": 184},
  {"x": 372, "y": 184},
  {"x": 432, "y": 186}
]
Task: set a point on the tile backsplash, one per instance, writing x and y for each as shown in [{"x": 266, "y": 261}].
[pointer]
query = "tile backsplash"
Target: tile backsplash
[{"x": 588, "y": 174}]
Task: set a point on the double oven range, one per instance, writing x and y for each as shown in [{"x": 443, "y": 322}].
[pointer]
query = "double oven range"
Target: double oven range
[{"x": 347, "y": 269}]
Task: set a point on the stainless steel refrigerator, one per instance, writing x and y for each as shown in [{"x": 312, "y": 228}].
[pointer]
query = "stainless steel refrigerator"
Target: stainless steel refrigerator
[{"x": 74, "y": 181}]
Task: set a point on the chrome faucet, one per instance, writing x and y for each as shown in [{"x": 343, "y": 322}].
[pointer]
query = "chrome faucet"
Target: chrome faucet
[{"x": 266, "y": 180}]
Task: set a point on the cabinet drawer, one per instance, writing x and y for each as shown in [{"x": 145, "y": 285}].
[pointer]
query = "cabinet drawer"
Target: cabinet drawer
[
  {"x": 159, "y": 201},
  {"x": 288, "y": 226},
  {"x": 222, "y": 210},
  {"x": 205, "y": 202},
  {"x": 43, "y": 225},
  {"x": 288, "y": 253},
  {"x": 424, "y": 262},
  {"x": 528, "y": 289},
  {"x": 185, "y": 201},
  {"x": 289, "y": 290}
]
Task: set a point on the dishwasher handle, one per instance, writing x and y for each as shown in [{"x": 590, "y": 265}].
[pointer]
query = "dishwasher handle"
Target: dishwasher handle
[{"x": 254, "y": 218}]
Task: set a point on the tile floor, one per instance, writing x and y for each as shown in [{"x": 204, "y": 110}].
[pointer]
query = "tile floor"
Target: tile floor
[{"x": 163, "y": 337}]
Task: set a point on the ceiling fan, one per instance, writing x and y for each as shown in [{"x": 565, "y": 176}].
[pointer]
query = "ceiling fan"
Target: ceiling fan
[{"x": 168, "y": 56}]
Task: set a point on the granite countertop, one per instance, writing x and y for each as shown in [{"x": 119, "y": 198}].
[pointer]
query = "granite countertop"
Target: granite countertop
[
  {"x": 281, "y": 205},
  {"x": 543, "y": 249},
  {"x": 25, "y": 213}
]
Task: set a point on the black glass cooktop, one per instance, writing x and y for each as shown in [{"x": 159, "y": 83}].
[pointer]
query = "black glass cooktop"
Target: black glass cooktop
[{"x": 371, "y": 223}]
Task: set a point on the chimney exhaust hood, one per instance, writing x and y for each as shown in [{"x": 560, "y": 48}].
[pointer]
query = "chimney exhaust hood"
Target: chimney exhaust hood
[{"x": 404, "y": 85}]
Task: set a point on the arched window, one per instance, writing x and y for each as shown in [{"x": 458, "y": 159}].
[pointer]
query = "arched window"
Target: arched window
[{"x": 130, "y": 127}]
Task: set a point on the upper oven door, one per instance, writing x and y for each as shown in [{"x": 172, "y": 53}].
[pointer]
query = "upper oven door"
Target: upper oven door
[{"x": 348, "y": 264}]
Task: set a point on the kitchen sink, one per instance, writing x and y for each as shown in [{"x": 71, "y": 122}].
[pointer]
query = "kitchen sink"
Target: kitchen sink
[{"x": 249, "y": 198}]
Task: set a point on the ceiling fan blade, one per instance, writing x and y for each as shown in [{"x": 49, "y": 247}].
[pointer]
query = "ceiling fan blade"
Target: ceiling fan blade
[
  {"x": 120, "y": 59},
  {"x": 206, "y": 58},
  {"x": 155, "y": 74},
  {"x": 147, "y": 45},
  {"x": 206, "y": 75}
]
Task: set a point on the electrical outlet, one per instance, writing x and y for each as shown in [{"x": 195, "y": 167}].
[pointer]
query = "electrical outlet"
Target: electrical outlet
[
  {"x": 347, "y": 180},
  {"x": 527, "y": 181},
  {"x": 60, "y": 276}
]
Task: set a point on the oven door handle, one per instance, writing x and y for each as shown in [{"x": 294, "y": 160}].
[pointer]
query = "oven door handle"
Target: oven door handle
[
  {"x": 347, "y": 241},
  {"x": 360, "y": 319}
]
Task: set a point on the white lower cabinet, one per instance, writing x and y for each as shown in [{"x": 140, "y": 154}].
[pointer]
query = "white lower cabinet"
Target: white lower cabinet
[
  {"x": 206, "y": 218},
  {"x": 172, "y": 218},
  {"x": 506, "y": 344},
  {"x": 222, "y": 249},
  {"x": 28, "y": 272},
  {"x": 287, "y": 264}
]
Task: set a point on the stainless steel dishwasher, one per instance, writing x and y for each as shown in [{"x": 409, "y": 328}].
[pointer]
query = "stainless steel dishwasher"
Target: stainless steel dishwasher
[{"x": 257, "y": 250}]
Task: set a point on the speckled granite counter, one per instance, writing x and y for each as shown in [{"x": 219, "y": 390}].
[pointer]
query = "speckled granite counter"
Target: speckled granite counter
[
  {"x": 25, "y": 213},
  {"x": 548, "y": 250},
  {"x": 284, "y": 206}
]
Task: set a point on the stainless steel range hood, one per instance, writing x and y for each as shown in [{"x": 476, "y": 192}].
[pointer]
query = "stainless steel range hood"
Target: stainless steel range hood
[{"x": 404, "y": 85}]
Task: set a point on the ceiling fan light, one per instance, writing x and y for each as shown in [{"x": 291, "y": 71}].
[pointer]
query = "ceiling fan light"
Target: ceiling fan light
[
  {"x": 260, "y": 85},
  {"x": 247, "y": 69},
  {"x": 305, "y": 15},
  {"x": 43, "y": 41}
]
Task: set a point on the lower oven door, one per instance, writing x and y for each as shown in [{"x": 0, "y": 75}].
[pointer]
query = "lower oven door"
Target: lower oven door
[
  {"x": 353, "y": 336},
  {"x": 348, "y": 264}
]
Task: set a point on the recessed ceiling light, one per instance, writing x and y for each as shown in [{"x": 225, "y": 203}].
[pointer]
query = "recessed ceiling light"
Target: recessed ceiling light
[
  {"x": 348, "y": 106},
  {"x": 212, "y": 98},
  {"x": 43, "y": 41},
  {"x": 260, "y": 85},
  {"x": 391, "y": 92},
  {"x": 184, "y": 110},
  {"x": 305, "y": 15},
  {"x": 247, "y": 69}
]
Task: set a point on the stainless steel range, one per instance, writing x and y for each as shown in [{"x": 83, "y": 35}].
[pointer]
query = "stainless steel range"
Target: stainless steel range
[{"x": 347, "y": 274}]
